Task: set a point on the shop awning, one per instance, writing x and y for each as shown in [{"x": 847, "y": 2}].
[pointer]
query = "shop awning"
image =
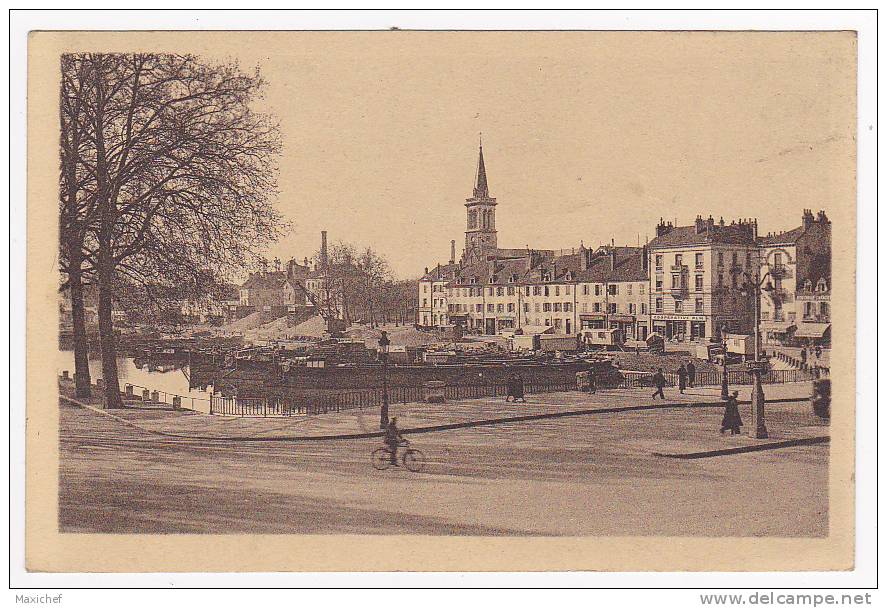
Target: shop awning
[
  {"x": 622, "y": 318},
  {"x": 812, "y": 330},
  {"x": 778, "y": 326}
]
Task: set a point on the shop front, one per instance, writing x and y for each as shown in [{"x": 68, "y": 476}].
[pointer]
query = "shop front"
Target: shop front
[
  {"x": 777, "y": 332},
  {"x": 505, "y": 323},
  {"x": 625, "y": 324},
  {"x": 678, "y": 328},
  {"x": 592, "y": 320}
]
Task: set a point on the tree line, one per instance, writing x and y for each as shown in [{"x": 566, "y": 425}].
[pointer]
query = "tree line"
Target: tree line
[
  {"x": 167, "y": 174},
  {"x": 363, "y": 287}
]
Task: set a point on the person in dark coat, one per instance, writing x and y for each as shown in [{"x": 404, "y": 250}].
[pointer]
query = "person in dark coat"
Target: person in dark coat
[
  {"x": 691, "y": 375},
  {"x": 592, "y": 381},
  {"x": 682, "y": 378},
  {"x": 510, "y": 387},
  {"x": 515, "y": 386},
  {"x": 519, "y": 388},
  {"x": 659, "y": 383},
  {"x": 732, "y": 421}
]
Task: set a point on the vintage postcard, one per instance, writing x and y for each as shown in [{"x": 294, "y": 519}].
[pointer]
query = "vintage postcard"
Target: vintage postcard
[{"x": 441, "y": 301}]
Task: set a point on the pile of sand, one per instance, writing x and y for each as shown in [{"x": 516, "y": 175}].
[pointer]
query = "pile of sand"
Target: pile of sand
[
  {"x": 248, "y": 322},
  {"x": 314, "y": 326},
  {"x": 278, "y": 329}
]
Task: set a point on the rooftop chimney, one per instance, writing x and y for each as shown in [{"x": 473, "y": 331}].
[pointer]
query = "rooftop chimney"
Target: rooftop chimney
[
  {"x": 662, "y": 228},
  {"x": 323, "y": 252},
  {"x": 453, "y": 252},
  {"x": 700, "y": 224},
  {"x": 613, "y": 259},
  {"x": 822, "y": 218},
  {"x": 807, "y": 218},
  {"x": 646, "y": 259}
]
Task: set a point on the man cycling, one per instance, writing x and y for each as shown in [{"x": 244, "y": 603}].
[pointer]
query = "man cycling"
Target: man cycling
[{"x": 393, "y": 438}]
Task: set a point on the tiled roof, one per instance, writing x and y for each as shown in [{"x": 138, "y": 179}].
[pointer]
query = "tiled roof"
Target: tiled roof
[
  {"x": 788, "y": 237},
  {"x": 731, "y": 234},
  {"x": 441, "y": 273},
  {"x": 629, "y": 267},
  {"x": 267, "y": 280}
]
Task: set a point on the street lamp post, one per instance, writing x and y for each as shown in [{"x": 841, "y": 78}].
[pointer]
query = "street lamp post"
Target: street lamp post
[
  {"x": 725, "y": 390},
  {"x": 758, "y": 427},
  {"x": 384, "y": 344}
]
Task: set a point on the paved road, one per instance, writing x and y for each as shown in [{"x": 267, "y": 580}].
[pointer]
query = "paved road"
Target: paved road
[{"x": 588, "y": 475}]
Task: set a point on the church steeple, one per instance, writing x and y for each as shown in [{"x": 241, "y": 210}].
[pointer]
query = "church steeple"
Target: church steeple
[
  {"x": 480, "y": 189},
  {"x": 480, "y": 233}
]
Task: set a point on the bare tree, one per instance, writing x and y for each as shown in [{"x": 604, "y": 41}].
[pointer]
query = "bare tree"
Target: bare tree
[
  {"x": 184, "y": 172},
  {"x": 76, "y": 204}
]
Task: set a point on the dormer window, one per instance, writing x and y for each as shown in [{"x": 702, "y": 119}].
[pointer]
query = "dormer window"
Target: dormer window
[
  {"x": 512, "y": 278},
  {"x": 821, "y": 285},
  {"x": 808, "y": 285},
  {"x": 569, "y": 276}
]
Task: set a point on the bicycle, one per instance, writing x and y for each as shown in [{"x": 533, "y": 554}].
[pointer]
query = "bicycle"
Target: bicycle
[{"x": 412, "y": 459}]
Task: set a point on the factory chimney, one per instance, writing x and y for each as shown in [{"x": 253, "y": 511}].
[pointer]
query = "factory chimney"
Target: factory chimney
[
  {"x": 323, "y": 252},
  {"x": 452, "y": 252}
]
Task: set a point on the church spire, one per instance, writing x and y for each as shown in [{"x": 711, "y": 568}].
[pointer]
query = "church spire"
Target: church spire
[{"x": 480, "y": 189}]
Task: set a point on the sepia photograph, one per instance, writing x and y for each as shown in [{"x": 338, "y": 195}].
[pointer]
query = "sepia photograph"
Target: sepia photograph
[{"x": 324, "y": 296}]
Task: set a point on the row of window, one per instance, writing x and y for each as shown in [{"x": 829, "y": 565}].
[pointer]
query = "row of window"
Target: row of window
[
  {"x": 544, "y": 290},
  {"x": 679, "y": 306},
  {"x": 613, "y": 308},
  {"x": 678, "y": 282},
  {"x": 700, "y": 259}
]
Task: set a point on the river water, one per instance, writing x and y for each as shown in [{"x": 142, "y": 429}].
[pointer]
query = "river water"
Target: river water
[{"x": 173, "y": 382}]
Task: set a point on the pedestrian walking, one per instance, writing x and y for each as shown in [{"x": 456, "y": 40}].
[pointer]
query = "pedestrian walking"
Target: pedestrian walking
[
  {"x": 803, "y": 358},
  {"x": 519, "y": 388},
  {"x": 592, "y": 381},
  {"x": 510, "y": 387},
  {"x": 659, "y": 383},
  {"x": 691, "y": 375},
  {"x": 682, "y": 378},
  {"x": 731, "y": 421}
]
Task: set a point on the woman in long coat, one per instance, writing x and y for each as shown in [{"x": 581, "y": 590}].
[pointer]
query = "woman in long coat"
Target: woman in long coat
[
  {"x": 682, "y": 378},
  {"x": 732, "y": 420}
]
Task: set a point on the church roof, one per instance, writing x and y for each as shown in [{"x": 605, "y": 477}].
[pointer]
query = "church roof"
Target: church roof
[{"x": 481, "y": 190}]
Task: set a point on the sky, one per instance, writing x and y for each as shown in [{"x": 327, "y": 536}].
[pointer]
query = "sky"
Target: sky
[{"x": 588, "y": 136}]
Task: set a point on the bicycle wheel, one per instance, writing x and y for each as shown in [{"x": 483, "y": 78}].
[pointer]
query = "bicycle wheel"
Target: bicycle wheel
[
  {"x": 381, "y": 459},
  {"x": 414, "y": 460}
]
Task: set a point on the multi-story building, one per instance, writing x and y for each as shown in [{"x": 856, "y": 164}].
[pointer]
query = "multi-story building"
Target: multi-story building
[
  {"x": 796, "y": 271},
  {"x": 697, "y": 274},
  {"x": 432, "y": 300},
  {"x": 263, "y": 290},
  {"x": 492, "y": 289}
]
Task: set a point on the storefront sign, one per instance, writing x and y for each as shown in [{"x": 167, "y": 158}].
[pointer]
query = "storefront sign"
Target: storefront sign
[{"x": 679, "y": 318}]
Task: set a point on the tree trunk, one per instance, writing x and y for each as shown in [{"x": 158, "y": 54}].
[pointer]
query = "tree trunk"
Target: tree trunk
[
  {"x": 106, "y": 332},
  {"x": 82, "y": 385}
]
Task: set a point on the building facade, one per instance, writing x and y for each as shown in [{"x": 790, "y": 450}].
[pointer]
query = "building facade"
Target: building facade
[
  {"x": 796, "y": 271},
  {"x": 492, "y": 290},
  {"x": 700, "y": 277}
]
